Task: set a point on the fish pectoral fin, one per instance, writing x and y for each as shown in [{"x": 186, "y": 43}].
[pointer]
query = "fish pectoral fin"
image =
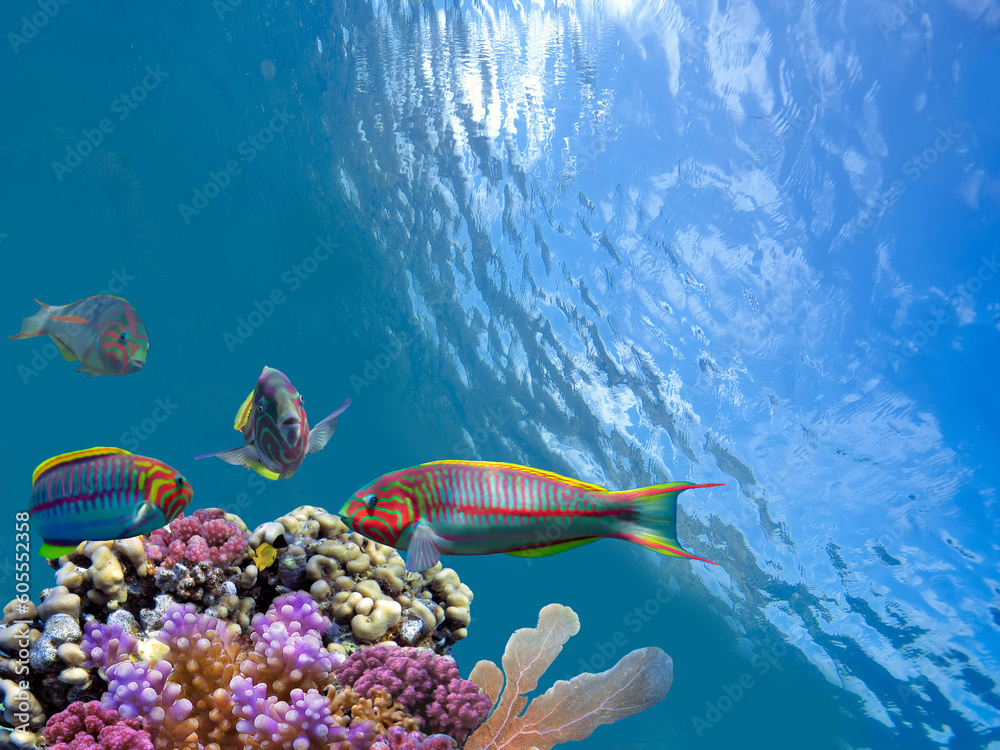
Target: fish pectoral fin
[
  {"x": 64, "y": 351},
  {"x": 320, "y": 435},
  {"x": 241, "y": 456},
  {"x": 243, "y": 413},
  {"x": 55, "y": 551},
  {"x": 425, "y": 548},
  {"x": 144, "y": 514},
  {"x": 553, "y": 549},
  {"x": 262, "y": 470}
]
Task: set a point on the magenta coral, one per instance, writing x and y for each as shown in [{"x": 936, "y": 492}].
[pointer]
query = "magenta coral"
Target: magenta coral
[
  {"x": 424, "y": 683},
  {"x": 105, "y": 645},
  {"x": 205, "y": 536},
  {"x": 397, "y": 738},
  {"x": 88, "y": 726}
]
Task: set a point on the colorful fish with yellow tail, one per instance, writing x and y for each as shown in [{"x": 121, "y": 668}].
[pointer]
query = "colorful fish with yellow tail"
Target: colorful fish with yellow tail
[
  {"x": 104, "y": 333},
  {"x": 101, "y": 494},
  {"x": 478, "y": 507},
  {"x": 274, "y": 426}
]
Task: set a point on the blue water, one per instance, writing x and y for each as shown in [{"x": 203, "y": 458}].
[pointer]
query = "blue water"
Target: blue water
[{"x": 619, "y": 241}]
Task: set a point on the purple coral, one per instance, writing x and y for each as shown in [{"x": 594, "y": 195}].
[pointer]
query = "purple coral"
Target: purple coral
[
  {"x": 397, "y": 738},
  {"x": 306, "y": 722},
  {"x": 143, "y": 690},
  {"x": 288, "y": 644},
  {"x": 88, "y": 726},
  {"x": 105, "y": 645},
  {"x": 183, "y": 626},
  {"x": 424, "y": 683},
  {"x": 204, "y": 536}
]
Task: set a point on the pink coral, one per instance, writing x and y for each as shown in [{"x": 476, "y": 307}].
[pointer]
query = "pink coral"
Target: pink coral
[
  {"x": 424, "y": 683},
  {"x": 88, "y": 726},
  {"x": 204, "y": 536}
]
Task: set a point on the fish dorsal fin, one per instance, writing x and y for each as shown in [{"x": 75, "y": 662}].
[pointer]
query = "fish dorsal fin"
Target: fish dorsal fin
[
  {"x": 65, "y": 458},
  {"x": 243, "y": 414},
  {"x": 552, "y": 549},
  {"x": 550, "y": 475}
]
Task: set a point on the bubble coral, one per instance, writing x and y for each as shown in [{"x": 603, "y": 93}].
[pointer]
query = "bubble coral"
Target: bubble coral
[
  {"x": 424, "y": 683},
  {"x": 204, "y": 536},
  {"x": 83, "y": 726}
]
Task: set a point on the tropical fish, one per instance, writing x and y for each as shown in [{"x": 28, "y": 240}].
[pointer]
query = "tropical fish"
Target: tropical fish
[
  {"x": 102, "y": 494},
  {"x": 104, "y": 333},
  {"x": 274, "y": 426},
  {"x": 479, "y": 507}
]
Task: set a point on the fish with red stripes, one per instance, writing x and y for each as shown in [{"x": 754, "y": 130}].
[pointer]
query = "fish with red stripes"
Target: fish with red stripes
[
  {"x": 480, "y": 507},
  {"x": 101, "y": 494},
  {"x": 104, "y": 333},
  {"x": 275, "y": 429}
]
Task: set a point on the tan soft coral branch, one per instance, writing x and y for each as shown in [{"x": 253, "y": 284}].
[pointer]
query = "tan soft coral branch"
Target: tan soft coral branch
[{"x": 568, "y": 711}]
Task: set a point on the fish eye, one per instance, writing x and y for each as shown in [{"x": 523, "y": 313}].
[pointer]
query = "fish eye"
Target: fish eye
[
  {"x": 370, "y": 501},
  {"x": 180, "y": 482},
  {"x": 260, "y": 406},
  {"x": 123, "y": 336},
  {"x": 302, "y": 400}
]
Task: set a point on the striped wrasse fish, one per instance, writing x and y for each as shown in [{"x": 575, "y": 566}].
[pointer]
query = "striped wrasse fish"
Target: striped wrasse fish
[
  {"x": 479, "y": 507},
  {"x": 275, "y": 429},
  {"x": 102, "y": 494},
  {"x": 103, "y": 332}
]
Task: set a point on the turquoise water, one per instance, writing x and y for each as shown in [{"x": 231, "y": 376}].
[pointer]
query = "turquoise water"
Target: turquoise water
[{"x": 754, "y": 245}]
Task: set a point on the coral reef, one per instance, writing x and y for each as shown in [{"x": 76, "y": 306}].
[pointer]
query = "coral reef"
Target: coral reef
[
  {"x": 83, "y": 726},
  {"x": 300, "y": 635},
  {"x": 424, "y": 684},
  {"x": 568, "y": 711},
  {"x": 363, "y": 586}
]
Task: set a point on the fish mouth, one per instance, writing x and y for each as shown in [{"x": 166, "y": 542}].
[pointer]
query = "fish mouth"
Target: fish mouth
[{"x": 291, "y": 430}]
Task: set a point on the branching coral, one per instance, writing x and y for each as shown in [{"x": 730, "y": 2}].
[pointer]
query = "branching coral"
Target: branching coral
[
  {"x": 288, "y": 648},
  {"x": 88, "y": 726},
  {"x": 205, "y": 536},
  {"x": 568, "y": 711},
  {"x": 398, "y": 738},
  {"x": 425, "y": 684},
  {"x": 104, "y": 645}
]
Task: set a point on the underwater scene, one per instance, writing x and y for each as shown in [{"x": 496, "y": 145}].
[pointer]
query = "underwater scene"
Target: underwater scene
[{"x": 497, "y": 375}]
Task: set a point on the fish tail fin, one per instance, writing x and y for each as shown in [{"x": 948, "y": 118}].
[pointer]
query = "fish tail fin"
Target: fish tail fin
[
  {"x": 34, "y": 325},
  {"x": 654, "y": 517}
]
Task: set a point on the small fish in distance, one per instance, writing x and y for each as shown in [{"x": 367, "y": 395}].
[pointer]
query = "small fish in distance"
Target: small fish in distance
[
  {"x": 104, "y": 333},
  {"x": 480, "y": 507},
  {"x": 102, "y": 494},
  {"x": 275, "y": 429}
]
